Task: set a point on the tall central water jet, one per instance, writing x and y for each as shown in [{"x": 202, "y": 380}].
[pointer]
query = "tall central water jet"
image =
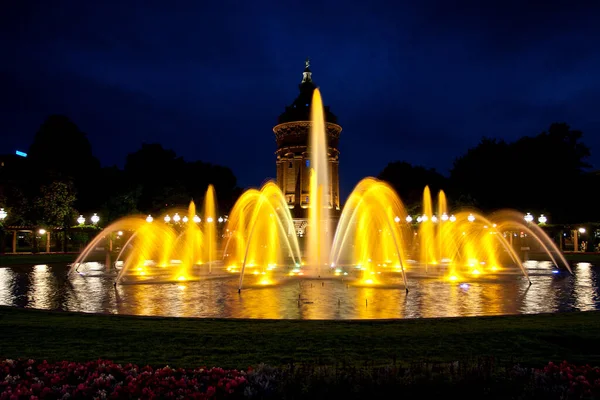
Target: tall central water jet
[
  {"x": 319, "y": 242},
  {"x": 210, "y": 212}
]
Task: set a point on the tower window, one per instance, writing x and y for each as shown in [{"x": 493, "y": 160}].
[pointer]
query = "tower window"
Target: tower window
[
  {"x": 291, "y": 165},
  {"x": 308, "y": 163}
]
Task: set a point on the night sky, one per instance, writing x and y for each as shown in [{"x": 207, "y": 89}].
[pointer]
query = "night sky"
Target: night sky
[{"x": 419, "y": 82}]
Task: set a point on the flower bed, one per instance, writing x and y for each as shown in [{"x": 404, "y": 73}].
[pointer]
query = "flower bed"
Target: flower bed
[
  {"x": 482, "y": 378},
  {"x": 573, "y": 381},
  {"x": 103, "y": 379}
]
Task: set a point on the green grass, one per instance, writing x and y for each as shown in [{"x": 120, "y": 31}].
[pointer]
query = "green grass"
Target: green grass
[{"x": 529, "y": 339}]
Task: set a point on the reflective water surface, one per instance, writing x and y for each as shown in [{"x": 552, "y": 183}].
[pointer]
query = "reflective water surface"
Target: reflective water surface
[{"x": 46, "y": 287}]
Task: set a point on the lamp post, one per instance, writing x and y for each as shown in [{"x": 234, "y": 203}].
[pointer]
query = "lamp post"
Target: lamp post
[
  {"x": 3, "y": 215},
  {"x": 542, "y": 219},
  {"x": 81, "y": 220},
  {"x": 95, "y": 219},
  {"x": 528, "y": 218},
  {"x": 149, "y": 219}
]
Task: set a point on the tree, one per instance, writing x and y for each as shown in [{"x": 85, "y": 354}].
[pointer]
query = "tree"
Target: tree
[
  {"x": 534, "y": 174},
  {"x": 55, "y": 204},
  {"x": 167, "y": 180},
  {"x": 409, "y": 181},
  {"x": 61, "y": 152}
]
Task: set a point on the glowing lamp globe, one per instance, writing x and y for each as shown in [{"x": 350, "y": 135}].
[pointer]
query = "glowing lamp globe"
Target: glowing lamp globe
[
  {"x": 220, "y": 220},
  {"x": 434, "y": 218},
  {"x": 528, "y": 217},
  {"x": 176, "y": 217},
  {"x": 185, "y": 219},
  {"x": 81, "y": 220},
  {"x": 542, "y": 219},
  {"x": 409, "y": 219},
  {"x": 95, "y": 218},
  {"x": 167, "y": 218},
  {"x": 42, "y": 231},
  {"x": 196, "y": 219},
  {"x": 3, "y": 214},
  {"x": 209, "y": 219},
  {"x": 444, "y": 217},
  {"x": 149, "y": 218},
  {"x": 471, "y": 218},
  {"x": 581, "y": 230},
  {"x": 452, "y": 218},
  {"x": 424, "y": 218},
  {"x": 397, "y": 219}
]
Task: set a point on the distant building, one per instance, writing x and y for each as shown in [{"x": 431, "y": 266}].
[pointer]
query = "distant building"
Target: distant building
[{"x": 293, "y": 155}]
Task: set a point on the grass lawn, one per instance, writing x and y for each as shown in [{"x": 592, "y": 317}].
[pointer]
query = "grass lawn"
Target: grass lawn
[{"x": 529, "y": 339}]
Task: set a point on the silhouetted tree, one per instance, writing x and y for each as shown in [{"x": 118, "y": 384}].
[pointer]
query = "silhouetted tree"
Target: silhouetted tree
[
  {"x": 60, "y": 151},
  {"x": 537, "y": 174},
  {"x": 409, "y": 181},
  {"x": 167, "y": 180}
]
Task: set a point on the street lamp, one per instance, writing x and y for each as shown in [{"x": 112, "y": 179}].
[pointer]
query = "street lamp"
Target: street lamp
[
  {"x": 209, "y": 220},
  {"x": 434, "y": 218},
  {"x": 220, "y": 220},
  {"x": 95, "y": 218},
  {"x": 581, "y": 230},
  {"x": 3, "y": 214},
  {"x": 471, "y": 218},
  {"x": 185, "y": 219},
  {"x": 167, "y": 218},
  {"x": 196, "y": 219},
  {"x": 452, "y": 218},
  {"x": 81, "y": 220},
  {"x": 444, "y": 217},
  {"x": 542, "y": 219},
  {"x": 42, "y": 231},
  {"x": 397, "y": 219},
  {"x": 528, "y": 218},
  {"x": 149, "y": 218},
  {"x": 176, "y": 217},
  {"x": 409, "y": 219}
]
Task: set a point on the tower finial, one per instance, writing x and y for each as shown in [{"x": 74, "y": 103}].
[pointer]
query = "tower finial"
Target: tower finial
[{"x": 307, "y": 74}]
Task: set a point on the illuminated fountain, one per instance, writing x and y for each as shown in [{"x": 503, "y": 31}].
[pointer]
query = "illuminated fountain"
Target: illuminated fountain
[
  {"x": 161, "y": 250},
  {"x": 469, "y": 244},
  {"x": 375, "y": 241},
  {"x": 260, "y": 234},
  {"x": 368, "y": 236}
]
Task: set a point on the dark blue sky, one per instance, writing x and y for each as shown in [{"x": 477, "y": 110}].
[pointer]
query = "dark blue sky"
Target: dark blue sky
[{"x": 419, "y": 81}]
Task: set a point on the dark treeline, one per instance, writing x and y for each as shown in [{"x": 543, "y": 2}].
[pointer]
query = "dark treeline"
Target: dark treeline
[
  {"x": 60, "y": 179},
  {"x": 545, "y": 174}
]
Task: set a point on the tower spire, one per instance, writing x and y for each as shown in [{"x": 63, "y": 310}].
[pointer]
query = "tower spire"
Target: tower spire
[{"x": 307, "y": 74}]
